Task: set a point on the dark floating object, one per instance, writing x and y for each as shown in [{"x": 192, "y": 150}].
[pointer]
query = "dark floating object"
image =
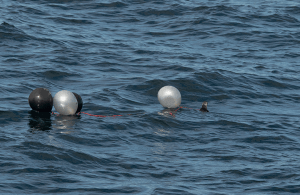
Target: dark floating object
[
  {"x": 41, "y": 100},
  {"x": 80, "y": 102},
  {"x": 204, "y": 107}
]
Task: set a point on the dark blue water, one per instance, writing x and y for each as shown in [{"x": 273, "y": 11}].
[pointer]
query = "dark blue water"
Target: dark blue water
[{"x": 242, "y": 57}]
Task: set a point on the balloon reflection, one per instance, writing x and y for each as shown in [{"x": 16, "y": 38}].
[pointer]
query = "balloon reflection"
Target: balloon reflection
[
  {"x": 162, "y": 148},
  {"x": 168, "y": 112},
  {"x": 65, "y": 122},
  {"x": 39, "y": 121}
]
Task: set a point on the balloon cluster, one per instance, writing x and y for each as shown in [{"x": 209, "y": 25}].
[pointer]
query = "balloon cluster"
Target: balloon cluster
[
  {"x": 70, "y": 103},
  {"x": 65, "y": 102}
]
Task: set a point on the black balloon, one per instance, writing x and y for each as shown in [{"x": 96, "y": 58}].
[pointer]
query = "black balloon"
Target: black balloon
[
  {"x": 41, "y": 100},
  {"x": 79, "y": 100}
]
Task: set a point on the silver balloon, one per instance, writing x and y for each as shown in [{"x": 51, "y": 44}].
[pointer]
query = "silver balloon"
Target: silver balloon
[
  {"x": 169, "y": 97},
  {"x": 65, "y": 103}
]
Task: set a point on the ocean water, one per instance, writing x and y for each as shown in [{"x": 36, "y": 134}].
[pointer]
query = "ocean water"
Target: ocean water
[{"x": 242, "y": 57}]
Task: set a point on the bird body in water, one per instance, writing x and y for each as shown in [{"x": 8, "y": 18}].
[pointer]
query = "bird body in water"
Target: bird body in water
[{"x": 204, "y": 107}]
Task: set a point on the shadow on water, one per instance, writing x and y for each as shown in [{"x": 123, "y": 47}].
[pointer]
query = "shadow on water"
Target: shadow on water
[{"x": 39, "y": 121}]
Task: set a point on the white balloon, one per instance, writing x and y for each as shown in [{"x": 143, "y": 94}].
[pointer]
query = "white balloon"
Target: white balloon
[
  {"x": 65, "y": 103},
  {"x": 169, "y": 97}
]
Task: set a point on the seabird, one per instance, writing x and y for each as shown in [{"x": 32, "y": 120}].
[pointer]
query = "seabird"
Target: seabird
[{"x": 204, "y": 107}]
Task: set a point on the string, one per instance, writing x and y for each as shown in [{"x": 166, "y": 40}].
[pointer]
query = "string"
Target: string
[
  {"x": 190, "y": 108},
  {"x": 54, "y": 113},
  {"x": 172, "y": 113}
]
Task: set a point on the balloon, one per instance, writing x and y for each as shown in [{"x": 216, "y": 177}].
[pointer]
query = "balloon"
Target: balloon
[
  {"x": 41, "y": 100},
  {"x": 79, "y": 100},
  {"x": 65, "y": 103},
  {"x": 169, "y": 97}
]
